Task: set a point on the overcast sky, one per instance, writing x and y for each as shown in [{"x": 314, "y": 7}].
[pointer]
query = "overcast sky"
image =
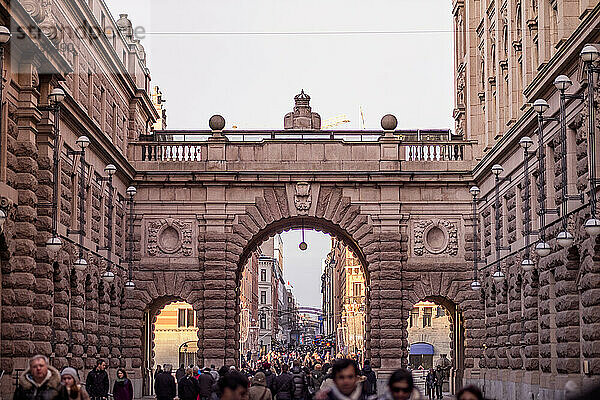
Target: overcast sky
[{"x": 247, "y": 59}]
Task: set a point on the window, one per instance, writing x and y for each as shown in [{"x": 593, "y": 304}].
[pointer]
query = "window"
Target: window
[
  {"x": 414, "y": 316},
  {"x": 263, "y": 322},
  {"x": 191, "y": 321},
  {"x": 181, "y": 314},
  {"x": 427, "y": 311},
  {"x": 263, "y": 297},
  {"x": 263, "y": 275},
  {"x": 357, "y": 289}
]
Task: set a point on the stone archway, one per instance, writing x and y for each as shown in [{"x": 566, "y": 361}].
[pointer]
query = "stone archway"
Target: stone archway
[
  {"x": 308, "y": 223},
  {"x": 325, "y": 208}
]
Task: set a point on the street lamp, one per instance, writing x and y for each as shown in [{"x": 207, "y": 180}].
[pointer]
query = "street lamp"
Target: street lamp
[
  {"x": 55, "y": 99},
  {"x": 526, "y": 142},
  {"x": 4, "y": 38},
  {"x": 590, "y": 54},
  {"x": 108, "y": 276},
  {"x": 497, "y": 170},
  {"x": 475, "y": 285},
  {"x": 131, "y": 192},
  {"x": 542, "y": 248},
  {"x": 83, "y": 142}
]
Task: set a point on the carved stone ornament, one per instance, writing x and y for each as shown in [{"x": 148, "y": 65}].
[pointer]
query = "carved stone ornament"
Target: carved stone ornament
[
  {"x": 435, "y": 237},
  {"x": 302, "y": 198},
  {"x": 168, "y": 236}
]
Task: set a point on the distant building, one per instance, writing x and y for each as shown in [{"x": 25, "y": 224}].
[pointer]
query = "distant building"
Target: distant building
[
  {"x": 428, "y": 334},
  {"x": 176, "y": 335},
  {"x": 158, "y": 102}
]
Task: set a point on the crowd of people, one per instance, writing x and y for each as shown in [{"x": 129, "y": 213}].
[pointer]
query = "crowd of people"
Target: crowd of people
[{"x": 342, "y": 379}]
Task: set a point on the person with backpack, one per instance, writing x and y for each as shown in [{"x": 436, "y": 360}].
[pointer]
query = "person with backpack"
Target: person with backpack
[
  {"x": 299, "y": 381},
  {"x": 259, "y": 390}
]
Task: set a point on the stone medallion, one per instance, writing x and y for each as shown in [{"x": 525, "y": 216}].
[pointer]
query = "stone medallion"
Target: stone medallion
[
  {"x": 166, "y": 237},
  {"x": 435, "y": 237}
]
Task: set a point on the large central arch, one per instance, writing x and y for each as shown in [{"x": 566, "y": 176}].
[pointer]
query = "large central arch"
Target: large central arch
[{"x": 303, "y": 222}]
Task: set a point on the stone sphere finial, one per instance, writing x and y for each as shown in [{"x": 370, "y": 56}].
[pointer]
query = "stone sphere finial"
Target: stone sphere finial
[
  {"x": 216, "y": 123},
  {"x": 389, "y": 122}
]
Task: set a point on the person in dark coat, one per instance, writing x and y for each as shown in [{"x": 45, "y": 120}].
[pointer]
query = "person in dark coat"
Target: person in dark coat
[
  {"x": 259, "y": 390},
  {"x": 97, "y": 383},
  {"x": 122, "y": 388},
  {"x": 188, "y": 387},
  {"x": 269, "y": 375},
  {"x": 206, "y": 383},
  {"x": 180, "y": 373},
  {"x": 370, "y": 385},
  {"x": 164, "y": 385},
  {"x": 299, "y": 381},
  {"x": 283, "y": 385},
  {"x": 430, "y": 384},
  {"x": 40, "y": 382}
]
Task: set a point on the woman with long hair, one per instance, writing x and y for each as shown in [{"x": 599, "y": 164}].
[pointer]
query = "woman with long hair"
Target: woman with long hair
[{"x": 122, "y": 389}]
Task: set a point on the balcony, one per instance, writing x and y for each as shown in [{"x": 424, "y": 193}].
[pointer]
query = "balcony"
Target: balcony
[{"x": 314, "y": 151}]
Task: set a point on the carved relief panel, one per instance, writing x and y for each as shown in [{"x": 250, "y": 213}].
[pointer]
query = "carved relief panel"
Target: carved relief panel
[
  {"x": 168, "y": 237},
  {"x": 435, "y": 237}
]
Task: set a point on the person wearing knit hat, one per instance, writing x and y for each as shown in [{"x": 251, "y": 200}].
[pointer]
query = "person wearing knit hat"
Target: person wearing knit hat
[{"x": 70, "y": 379}]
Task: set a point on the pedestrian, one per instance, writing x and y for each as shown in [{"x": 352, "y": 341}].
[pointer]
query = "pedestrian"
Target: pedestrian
[
  {"x": 205, "y": 384},
  {"x": 283, "y": 385},
  {"x": 299, "y": 381},
  {"x": 370, "y": 379},
  {"x": 233, "y": 386},
  {"x": 122, "y": 388},
  {"x": 401, "y": 387},
  {"x": 259, "y": 390},
  {"x": 439, "y": 383},
  {"x": 430, "y": 384},
  {"x": 180, "y": 373},
  {"x": 214, "y": 373},
  {"x": 164, "y": 385},
  {"x": 470, "y": 392},
  {"x": 70, "y": 380},
  {"x": 345, "y": 382},
  {"x": 317, "y": 378},
  {"x": 96, "y": 382},
  {"x": 188, "y": 386},
  {"x": 40, "y": 382},
  {"x": 269, "y": 375}
]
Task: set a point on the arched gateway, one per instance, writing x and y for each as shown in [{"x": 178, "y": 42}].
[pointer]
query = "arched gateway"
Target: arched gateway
[{"x": 199, "y": 218}]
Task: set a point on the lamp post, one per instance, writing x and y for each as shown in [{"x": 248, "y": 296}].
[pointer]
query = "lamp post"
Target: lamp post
[
  {"x": 590, "y": 55},
  {"x": 5, "y": 36},
  {"x": 130, "y": 285},
  {"x": 527, "y": 264},
  {"x": 497, "y": 169},
  {"x": 55, "y": 98},
  {"x": 83, "y": 142},
  {"x": 108, "y": 276},
  {"x": 475, "y": 285},
  {"x": 563, "y": 83},
  {"x": 542, "y": 248}
]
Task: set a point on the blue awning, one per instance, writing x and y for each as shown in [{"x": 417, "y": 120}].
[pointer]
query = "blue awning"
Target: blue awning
[{"x": 421, "y": 348}]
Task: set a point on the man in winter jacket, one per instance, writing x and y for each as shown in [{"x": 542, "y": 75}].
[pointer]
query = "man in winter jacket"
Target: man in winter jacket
[
  {"x": 40, "y": 382},
  {"x": 269, "y": 375},
  {"x": 96, "y": 382},
  {"x": 259, "y": 390},
  {"x": 283, "y": 386},
  {"x": 317, "y": 377},
  {"x": 300, "y": 382},
  {"x": 164, "y": 385},
  {"x": 370, "y": 385},
  {"x": 188, "y": 387},
  {"x": 205, "y": 382}
]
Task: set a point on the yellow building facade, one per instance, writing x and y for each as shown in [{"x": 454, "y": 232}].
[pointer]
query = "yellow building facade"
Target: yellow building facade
[
  {"x": 353, "y": 305},
  {"x": 175, "y": 335}
]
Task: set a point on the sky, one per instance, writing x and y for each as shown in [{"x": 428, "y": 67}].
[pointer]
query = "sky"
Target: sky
[
  {"x": 246, "y": 60},
  {"x": 387, "y": 56}
]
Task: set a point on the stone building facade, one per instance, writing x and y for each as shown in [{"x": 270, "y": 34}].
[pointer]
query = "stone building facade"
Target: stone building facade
[{"x": 399, "y": 199}]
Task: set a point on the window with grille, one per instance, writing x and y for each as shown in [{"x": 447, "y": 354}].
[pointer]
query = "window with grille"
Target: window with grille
[{"x": 427, "y": 311}]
